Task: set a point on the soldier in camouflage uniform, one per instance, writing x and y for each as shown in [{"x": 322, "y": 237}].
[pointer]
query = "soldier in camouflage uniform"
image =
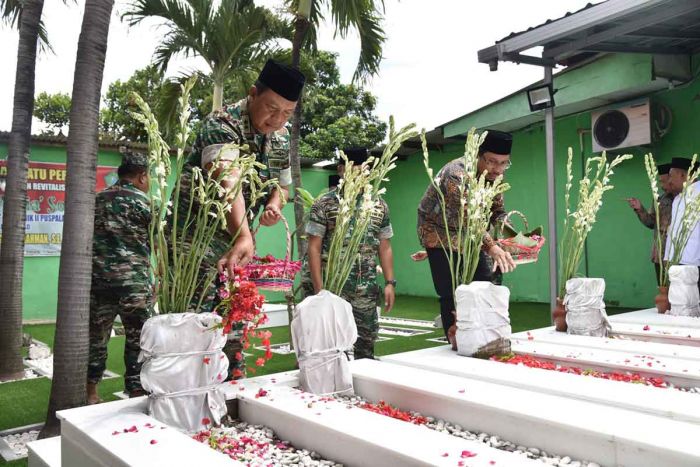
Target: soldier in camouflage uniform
[
  {"x": 494, "y": 159},
  {"x": 361, "y": 289},
  {"x": 122, "y": 283},
  {"x": 257, "y": 121}
]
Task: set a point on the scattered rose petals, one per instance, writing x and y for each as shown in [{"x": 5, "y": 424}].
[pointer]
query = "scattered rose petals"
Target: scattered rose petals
[
  {"x": 261, "y": 393},
  {"x": 627, "y": 377},
  {"x": 206, "y": 360},
  {"x": 206, "y": 421},
  {"x": 115, "y": 433},
  {"x": 385, "y": 409},
  {"x": 646, "y": 327},
  {"x": 153, "y": 441},
  {"x": 466, "y": 454},
  {"x": 444, "y": 454}
]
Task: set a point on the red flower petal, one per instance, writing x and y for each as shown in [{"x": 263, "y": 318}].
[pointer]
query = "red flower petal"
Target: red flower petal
[
  {"x": 153, "y": 441},
  {"x": 207, "y": 360},
  {"x": 206, "y": 421},
  {"x": 646, "y": 327}
]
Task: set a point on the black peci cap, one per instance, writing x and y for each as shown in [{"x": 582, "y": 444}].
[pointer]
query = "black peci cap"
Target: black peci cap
[
  {"x": 282, "y": 79},
  {"x": 497, "y": 142}
]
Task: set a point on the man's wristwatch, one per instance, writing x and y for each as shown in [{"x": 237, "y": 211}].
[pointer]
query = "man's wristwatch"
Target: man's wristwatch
[{"x": 391, "y": 282}]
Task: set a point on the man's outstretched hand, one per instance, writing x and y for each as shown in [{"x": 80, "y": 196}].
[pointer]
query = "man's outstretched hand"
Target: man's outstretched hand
[{"x": 239, "y": 255}]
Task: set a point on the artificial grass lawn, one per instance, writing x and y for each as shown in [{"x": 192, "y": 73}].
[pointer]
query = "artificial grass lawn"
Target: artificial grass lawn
[{"x": 29, "y": 399}]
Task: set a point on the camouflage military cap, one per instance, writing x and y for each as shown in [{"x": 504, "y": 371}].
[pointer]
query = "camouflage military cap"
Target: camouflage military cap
[{"x": 135, "y": 159}]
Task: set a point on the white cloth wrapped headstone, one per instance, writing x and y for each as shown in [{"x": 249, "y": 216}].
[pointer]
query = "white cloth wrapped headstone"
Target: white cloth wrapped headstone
[
  {"x": 585, "y": 308},
  {"x": 683, "y": 291},
  {"x": 482, "y": 316},
  {"x": 323, "y": 330},
  {"x": 183, "y": 369}
]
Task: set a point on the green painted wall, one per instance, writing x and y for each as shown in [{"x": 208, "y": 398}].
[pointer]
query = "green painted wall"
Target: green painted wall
[
  {"x": 608, "y": 75},
  {"x": 618, "y": 247}
]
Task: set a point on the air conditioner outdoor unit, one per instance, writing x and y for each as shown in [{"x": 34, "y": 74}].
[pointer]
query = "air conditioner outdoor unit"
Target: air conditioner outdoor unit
[{"x": 622, "y": 126}]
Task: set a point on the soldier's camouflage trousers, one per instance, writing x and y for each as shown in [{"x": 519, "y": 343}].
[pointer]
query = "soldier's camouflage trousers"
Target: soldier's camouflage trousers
[{"x": 134, "y": 308}]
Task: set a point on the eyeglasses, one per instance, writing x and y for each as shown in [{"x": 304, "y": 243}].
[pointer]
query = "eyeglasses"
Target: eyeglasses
[{"x": 505, "y": 165}]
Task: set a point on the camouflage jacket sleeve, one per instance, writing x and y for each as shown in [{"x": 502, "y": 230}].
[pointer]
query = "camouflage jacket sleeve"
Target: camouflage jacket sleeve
[
  {"x": 219, "y": 127},
  {"x": 318, "y": 219},
  {"x": 278, "y": 158},
  {"x": 385, "y": 229}
]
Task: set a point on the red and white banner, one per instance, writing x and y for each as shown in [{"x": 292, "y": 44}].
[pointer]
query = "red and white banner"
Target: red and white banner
[{"x": 46, "y": 195}]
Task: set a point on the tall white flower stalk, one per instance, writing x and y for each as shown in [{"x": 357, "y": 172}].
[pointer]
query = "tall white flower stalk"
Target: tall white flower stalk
[
  {"x": 178, "y": 245},
  {"x": 359, "y": 195},
  {"x": 682, "y": 226},
  {"x": 579, "y": 222},
  {"x": 476, "y": 196},
  {"x": 653, "y": 174}
]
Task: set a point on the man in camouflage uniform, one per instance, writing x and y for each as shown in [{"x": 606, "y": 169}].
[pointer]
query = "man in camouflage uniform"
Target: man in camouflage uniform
[
  {"x": 257, "y": 121},
  {"x": 361, "y": 289},
  {"x": 122, "y": 283},
  {"x": 648, "y": 217},
  {"x": 494, "y": 159}
]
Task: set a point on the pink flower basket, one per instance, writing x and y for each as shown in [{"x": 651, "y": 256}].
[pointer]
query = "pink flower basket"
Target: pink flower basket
[
  {"x": 521, "y": 254},
  {"x": 270, "y": 273}
]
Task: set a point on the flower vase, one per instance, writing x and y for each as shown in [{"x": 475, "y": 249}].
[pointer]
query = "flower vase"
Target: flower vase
[
  {"x": 323, "y": 331},
  {"x": 482, "y": 320},
  {"x": 585, "y": 307},
  {"x": 559, "y": 316},
  {"x": 661, "y": 300},
  {"x": 683, "y": 293},
  {"x": 184, "y": 366}
]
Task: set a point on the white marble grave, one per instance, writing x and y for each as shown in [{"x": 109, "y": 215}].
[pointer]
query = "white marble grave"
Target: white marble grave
[
  {"x": 650, "y": 326},
  {"x": 608, "y": 422}
]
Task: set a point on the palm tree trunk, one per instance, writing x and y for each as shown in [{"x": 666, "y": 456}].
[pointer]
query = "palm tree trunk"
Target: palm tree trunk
[
  {"x": 300, "y": 28},
  {"x": 218, "y": 98},
  {"x": 15, "y": 202},
  {"x": 71, "y": 341}
]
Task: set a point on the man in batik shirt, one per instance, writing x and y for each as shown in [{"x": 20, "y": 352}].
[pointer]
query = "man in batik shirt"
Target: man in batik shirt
[{"x": 494, "y": 159}]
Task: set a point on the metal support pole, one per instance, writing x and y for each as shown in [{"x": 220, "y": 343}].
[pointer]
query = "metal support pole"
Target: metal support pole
[{"x": 551, "y": 196}]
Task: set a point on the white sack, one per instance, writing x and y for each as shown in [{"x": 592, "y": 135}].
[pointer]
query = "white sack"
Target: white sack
[
  {"x": 683, "y": 291},
  {"x": 482, "y": 315},
  {"x": 183, "y": 367},
  {"x": 585, "y": 308},
  {"x": 323, "y": 330}
]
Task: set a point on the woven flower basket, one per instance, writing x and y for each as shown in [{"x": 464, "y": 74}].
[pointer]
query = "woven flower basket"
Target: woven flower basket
[
  {"x": 269, "y": 273},
  {"x": 521, "y": 254}
]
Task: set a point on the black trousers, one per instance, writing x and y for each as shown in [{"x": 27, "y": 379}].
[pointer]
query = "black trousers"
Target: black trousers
[{"x": 442, "y": 280}]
